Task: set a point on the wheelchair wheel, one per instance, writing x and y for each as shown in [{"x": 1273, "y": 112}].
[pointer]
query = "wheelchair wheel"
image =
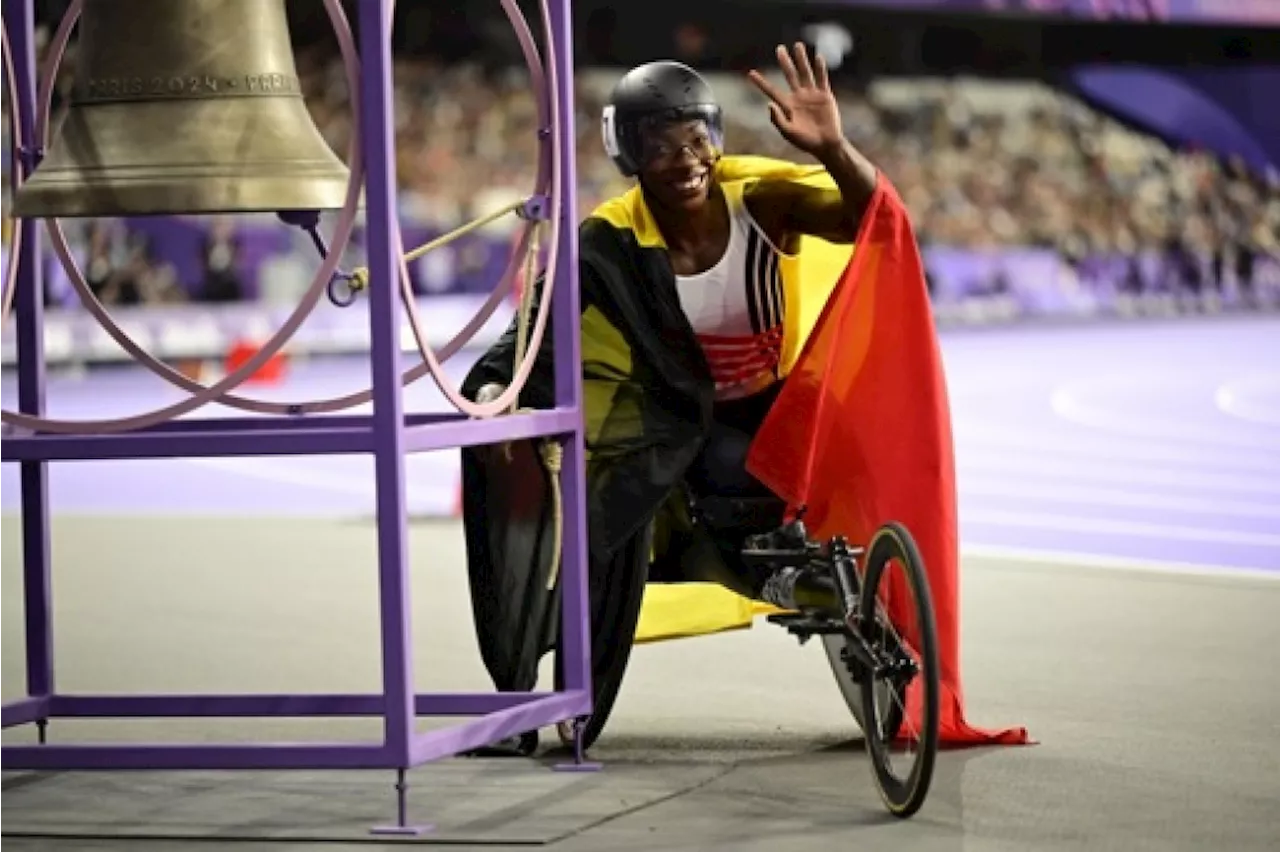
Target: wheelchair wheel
[
  {"x": 902, "y": 745},
  {"x": 611, "y": 651},
  {"x": 604, "y": 695}
]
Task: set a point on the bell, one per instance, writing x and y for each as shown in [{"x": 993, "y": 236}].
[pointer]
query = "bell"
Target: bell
[{"x": 184, "y": 106}]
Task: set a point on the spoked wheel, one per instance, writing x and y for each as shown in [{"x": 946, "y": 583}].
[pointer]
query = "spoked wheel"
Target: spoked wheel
[{"x": 900, "y": 702}]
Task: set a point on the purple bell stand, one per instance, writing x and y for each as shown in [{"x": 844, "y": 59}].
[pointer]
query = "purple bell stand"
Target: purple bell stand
[{"x": 387, "y": 433}]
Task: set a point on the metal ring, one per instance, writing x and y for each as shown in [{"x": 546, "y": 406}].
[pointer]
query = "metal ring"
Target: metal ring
[
  {"x": 339, "y": 403},
  {"x": 17, "y": 142},
  {"x": 213, "y": 392}
]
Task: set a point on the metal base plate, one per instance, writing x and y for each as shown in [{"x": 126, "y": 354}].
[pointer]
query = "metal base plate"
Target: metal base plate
[
  {"x": 402, "y": 830},
  {"x": 574, "y": 766}
]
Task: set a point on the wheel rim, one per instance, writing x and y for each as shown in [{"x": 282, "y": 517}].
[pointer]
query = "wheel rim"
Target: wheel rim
[{"x": 896, "y": 585}]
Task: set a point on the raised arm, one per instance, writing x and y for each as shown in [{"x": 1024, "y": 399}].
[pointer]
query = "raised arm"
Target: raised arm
[{"x": 809, "y": 118}]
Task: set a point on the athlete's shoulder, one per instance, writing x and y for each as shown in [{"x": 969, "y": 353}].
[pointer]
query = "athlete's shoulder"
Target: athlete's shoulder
[
  {"x": 610, "y": 233},
  {"x": 756, "y": 170},
  {"x": 619, "y": 211},
  {"x": 624, "y": 220}
]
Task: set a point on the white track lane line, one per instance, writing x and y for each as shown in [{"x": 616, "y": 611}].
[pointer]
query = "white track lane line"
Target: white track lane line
[
  {"x": 1059, "y": 559},
  {"x": 1104, "y": 526},
  {"x": 1066, "y": 403},
  {"x": 1192, "y": 482},
  {"x": 972, "y": 485},
  {"x": 1079, "y": 443}
]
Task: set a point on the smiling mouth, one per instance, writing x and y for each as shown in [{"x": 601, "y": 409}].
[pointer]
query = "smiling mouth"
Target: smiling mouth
[{"x": 693, "y": 183}]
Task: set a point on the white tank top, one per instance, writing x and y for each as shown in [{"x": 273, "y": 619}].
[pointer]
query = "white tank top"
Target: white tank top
[{"x": 736, "y": 309}]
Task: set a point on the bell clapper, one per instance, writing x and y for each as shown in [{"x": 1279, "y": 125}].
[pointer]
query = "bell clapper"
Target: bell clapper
[{"x": 343, "y": 286}]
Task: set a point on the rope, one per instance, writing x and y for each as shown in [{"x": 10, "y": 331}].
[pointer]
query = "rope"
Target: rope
[
  {"x": 526, "y": 297},
  {"x": 360, "y": 275},
  {"x": 550, "y": 451},
  {"x": 553, "y": 457}
]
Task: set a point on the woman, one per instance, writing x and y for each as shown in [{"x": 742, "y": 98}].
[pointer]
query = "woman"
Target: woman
[{"x": 683, "y": 348}]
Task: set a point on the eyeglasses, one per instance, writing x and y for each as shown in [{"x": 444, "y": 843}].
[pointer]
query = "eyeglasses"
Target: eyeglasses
[{"x": 667, "y": 145}]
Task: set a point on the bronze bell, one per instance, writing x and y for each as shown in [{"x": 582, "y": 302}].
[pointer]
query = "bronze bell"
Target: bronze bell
[{"x": 184, "y": 106}]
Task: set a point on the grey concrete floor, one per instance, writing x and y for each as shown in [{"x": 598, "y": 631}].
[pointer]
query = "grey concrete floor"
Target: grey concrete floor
[{"x": 1155, "y": 698}]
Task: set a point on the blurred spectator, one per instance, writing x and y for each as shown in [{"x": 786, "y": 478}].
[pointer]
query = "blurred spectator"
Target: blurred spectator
[{"x": 222, "y": 281}]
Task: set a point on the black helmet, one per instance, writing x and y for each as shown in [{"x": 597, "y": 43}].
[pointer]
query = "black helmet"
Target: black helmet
[{"x": 656, "y": 93}]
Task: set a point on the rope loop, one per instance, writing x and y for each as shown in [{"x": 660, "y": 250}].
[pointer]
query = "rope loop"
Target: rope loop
[{"x": 358, "y": 278}]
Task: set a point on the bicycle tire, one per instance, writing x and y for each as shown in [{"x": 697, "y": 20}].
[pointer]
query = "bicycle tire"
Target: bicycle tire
[{"x": 903, "y": 797}]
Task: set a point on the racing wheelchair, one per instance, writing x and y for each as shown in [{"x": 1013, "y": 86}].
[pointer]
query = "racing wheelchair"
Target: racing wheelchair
[
  {"x": 873, "y": 663},
  {"x": 869, "y": 605},
  {"x": 850, "y": 597}
]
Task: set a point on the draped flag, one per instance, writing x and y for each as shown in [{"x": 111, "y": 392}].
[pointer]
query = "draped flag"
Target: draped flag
[{"x": 861, "y": 433}]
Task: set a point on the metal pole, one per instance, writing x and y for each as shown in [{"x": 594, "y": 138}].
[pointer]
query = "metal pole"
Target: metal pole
[
  {"x": 388, "y": 416},
  {"x": 29, "y": 304},
  {"x": 566, "y": 303}
]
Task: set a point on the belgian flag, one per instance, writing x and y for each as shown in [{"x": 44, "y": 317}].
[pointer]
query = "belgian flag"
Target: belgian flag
[{"x": 860, "y": 435}]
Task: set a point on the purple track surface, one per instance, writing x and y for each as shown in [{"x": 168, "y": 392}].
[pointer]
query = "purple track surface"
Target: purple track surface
[{"x": 1153, "y": 441}]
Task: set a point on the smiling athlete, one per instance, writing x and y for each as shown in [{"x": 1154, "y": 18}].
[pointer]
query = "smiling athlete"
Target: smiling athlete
[{"x": 686, "y": 344}]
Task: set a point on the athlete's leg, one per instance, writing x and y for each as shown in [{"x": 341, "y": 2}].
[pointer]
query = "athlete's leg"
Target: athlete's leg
[
  {"x": 731, "y": 504},
  {"x": 728, "y": 502}
]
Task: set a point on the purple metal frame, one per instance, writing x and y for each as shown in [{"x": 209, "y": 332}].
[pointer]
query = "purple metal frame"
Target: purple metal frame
[{"x": 388, "y": 433}]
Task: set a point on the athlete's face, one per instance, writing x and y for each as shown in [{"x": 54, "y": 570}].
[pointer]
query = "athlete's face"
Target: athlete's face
[{"x": 678, "y": 163}]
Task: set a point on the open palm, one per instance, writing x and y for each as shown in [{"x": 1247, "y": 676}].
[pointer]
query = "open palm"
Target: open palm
[{"x": 807, "y": 116}]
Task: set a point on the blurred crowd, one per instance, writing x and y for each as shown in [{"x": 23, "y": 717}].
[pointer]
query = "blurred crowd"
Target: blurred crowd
[
  {"x": 979, "y": 165},
  {"x": 1054, "y": 173},
  {"x": 976, "y": 170}
]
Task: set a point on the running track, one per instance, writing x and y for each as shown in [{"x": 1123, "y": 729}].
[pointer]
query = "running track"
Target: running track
[{"x": 1153, "y": 442}]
